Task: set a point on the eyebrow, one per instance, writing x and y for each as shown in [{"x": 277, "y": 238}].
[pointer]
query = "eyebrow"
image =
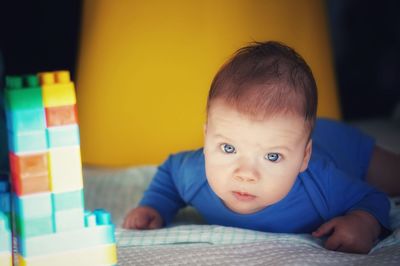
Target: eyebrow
[
  {"x": 222, "y": 136},
  {"x": 280, "y": 148},
  {"x": 267, "y": 148}
]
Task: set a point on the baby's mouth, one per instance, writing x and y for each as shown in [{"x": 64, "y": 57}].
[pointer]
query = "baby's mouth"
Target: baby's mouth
[{"x": 243, "y": 196}]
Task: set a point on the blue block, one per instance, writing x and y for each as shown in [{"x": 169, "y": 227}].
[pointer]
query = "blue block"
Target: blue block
[
  {"x": 63, "y": 136},
  {"x": 26, "y": 120},
  {"x": 67, "y": 200},
  {"x": 4, "y": 184},
  {"x": 5, "y": 202},
  {"x": 90, "y": 236},
  {"x": 31, "y": 227},
  {"x": 33, "y": 206},
  {"x": 27, "y": 141},
  {"x": 5, "y": 198}
]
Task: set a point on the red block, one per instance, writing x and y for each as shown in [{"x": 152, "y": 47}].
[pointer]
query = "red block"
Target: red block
[
  {"x": 29, "y": 173},
  {"x": 61, "y": 115},
  {"x": 26, "y": 166},
  {"x": 31, "y": 185}
]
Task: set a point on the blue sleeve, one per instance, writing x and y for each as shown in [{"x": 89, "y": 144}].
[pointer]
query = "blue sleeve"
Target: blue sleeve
[
  {"x": 347, "y": 194},
  {"x": 163, "y": 194},
  {"x": 334, "y": 193},
  {"x": 348, "y": 147}
]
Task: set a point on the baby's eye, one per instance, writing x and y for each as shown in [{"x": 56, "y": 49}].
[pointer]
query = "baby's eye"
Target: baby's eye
[
  {"x": 227, "y": 148},
  {"x": 273, "y": 157}
]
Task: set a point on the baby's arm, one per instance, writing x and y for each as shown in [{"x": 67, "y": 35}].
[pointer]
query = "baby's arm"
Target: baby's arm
[
  {"x": 358, "y": 213},
  {"x": 161, "y": 200},
  {"x": 355, "y": 232}
]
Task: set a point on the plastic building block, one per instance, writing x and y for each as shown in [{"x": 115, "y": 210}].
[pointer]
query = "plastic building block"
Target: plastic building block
[
  {"x": 68, "y": 220},
  {"x": 31, "y": 227},
  {"x": 63, "y": 136},
  {"x": 32, "y": 206},
  {"x": 67, "y": 200},
  {"x": 57, "y": 88},
  {"x": 23, "y": 93},
  {"x": 31, "y": 185},
  {"x": 96, "y": 234},
  {"x": 28, "y": 141},
  {"x": 103, "y": 255},
  {"x": 65, "y": 169},
  {"x": 5, "y": 240},
  {"x": 61, "y": 115},
  {"x": 51, "y": 226},
  {"x": 68, "y": 211},
  {"x": 28, "y": 165},
  {"x": 29, "y": 173},
  {"x": 5, "y": 258},
  {"x": 33, "y": 215},
  {"x": 26, "y": 119},
  {"x": 5, "y": 203},
  {"x": 4, "y": 185}
]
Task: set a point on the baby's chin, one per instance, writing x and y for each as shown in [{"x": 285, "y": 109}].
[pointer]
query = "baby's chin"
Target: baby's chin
[{"x": 244, "y": 209}]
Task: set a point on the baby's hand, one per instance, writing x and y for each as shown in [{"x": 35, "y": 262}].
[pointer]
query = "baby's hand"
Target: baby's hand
[
  {"x": 355, "y": 232},
  {"x": 142, "y": 218}
]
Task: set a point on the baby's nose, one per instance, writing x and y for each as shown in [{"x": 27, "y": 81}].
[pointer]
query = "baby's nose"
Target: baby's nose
[{"x": 246, "y": 178}]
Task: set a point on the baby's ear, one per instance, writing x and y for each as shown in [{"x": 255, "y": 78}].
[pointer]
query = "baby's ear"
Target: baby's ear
[
  {"x": 205, "y": 129},
  {"x": 307, "y": 156}
]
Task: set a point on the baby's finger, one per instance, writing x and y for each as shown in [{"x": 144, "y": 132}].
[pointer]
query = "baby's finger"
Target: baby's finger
[
  {"x": 324, "y": 229},
  {"x": 128, "y": 223},
  {"x": 142, "y": 222}
]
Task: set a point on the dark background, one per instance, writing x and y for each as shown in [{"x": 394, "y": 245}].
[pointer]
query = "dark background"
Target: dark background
[{"x": 43, "y": 35}]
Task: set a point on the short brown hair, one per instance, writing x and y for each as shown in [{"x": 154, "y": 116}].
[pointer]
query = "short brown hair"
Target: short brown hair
[{"x": 267, "y": 78}]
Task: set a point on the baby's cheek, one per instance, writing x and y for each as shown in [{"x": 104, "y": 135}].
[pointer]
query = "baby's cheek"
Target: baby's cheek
[{"x": 219, "y": 160}]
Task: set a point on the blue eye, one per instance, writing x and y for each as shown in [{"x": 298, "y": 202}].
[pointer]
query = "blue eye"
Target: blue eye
[
  {"x": 227, "y": 148},
  {"x": 273, "y": 157}
]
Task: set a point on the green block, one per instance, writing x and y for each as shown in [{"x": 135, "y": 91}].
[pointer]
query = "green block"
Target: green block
[
  {"x": 34, "y": 226},
  {"x": 23, "y": 92}
]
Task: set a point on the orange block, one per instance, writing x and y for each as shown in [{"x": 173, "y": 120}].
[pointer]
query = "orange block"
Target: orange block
[
  {"x": 30, "y": 165},
  {"x": 61, "y": 115},
  {"x": 31, "y": 185}
]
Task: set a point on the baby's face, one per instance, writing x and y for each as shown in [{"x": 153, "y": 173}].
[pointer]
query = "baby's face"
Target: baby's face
[{"x": 252, "y": 164}]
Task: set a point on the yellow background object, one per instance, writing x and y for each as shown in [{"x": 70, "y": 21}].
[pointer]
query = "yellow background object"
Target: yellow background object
[{"x": 145, "y": 68}]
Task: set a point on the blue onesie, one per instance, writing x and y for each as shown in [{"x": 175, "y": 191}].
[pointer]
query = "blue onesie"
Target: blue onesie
[{"x": 331, "y": 186}]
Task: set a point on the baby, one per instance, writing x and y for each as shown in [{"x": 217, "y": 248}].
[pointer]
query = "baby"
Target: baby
[{"x": 268, "y": 164}]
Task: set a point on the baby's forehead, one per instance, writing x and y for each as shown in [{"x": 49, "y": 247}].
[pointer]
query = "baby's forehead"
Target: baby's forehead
[{"x": 221, "y": 107}]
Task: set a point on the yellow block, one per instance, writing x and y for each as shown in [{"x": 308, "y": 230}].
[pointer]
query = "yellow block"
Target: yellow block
[
  {"x": 145, "y": 68},
  {"x": 99, "y": 255},
  {"x": 5, "y": 259},
  {"x": 65, "y": 169},
  {"x": 57, "y": 88}
]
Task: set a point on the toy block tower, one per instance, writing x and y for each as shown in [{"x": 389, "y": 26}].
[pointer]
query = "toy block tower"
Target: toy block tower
[
  {"x": 51, "y": 225},
  {"x": 5, "y": 228}
]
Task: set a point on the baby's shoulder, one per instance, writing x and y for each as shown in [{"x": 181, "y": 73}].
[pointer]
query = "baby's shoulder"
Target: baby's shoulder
[{"x": 189, "y": 169}]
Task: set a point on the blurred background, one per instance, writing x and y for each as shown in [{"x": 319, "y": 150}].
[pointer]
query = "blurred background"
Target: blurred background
[{"x": 142, "y": 68}]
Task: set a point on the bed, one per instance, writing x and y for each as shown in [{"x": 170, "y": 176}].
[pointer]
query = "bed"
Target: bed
[{"x": 188, "y": 241}]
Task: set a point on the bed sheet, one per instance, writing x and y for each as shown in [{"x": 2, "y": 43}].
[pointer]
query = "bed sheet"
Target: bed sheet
[{"x": 188, "y": 241}]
